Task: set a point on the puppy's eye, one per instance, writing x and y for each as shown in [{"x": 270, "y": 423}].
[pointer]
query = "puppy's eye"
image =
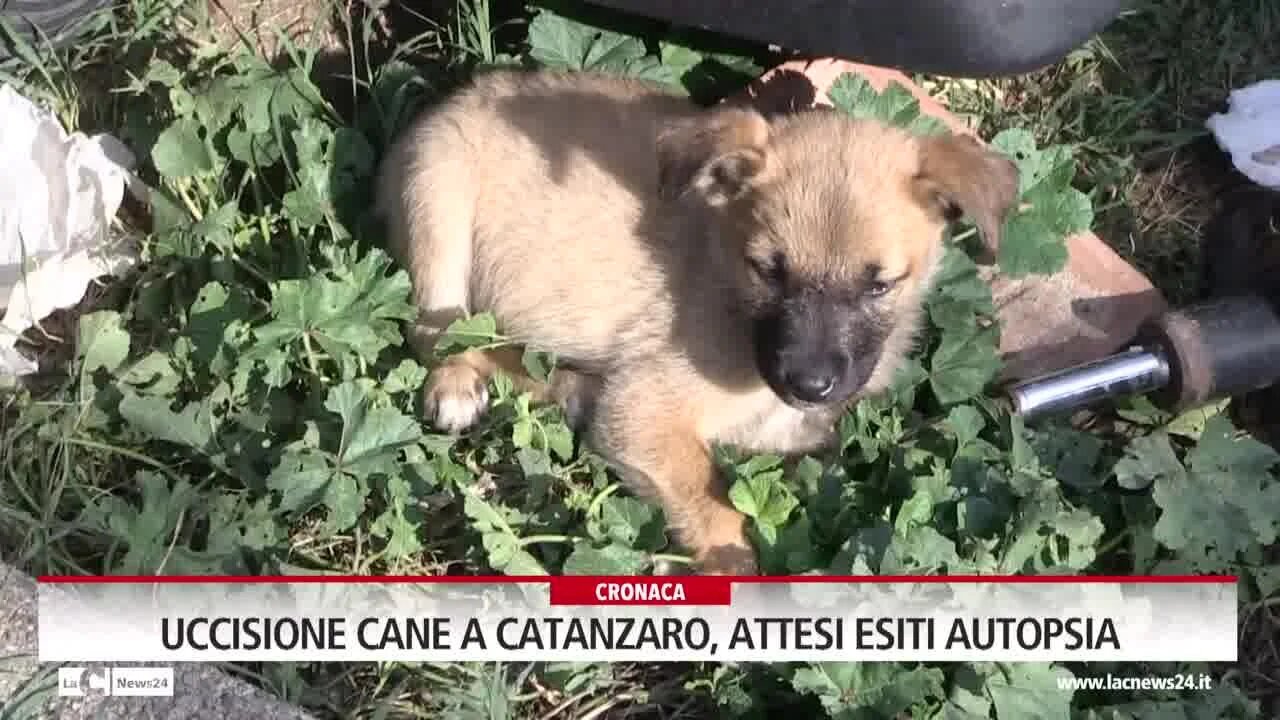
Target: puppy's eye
[
  {"x": 876, "y": 288},
  {"x": 771, "y": 267}
]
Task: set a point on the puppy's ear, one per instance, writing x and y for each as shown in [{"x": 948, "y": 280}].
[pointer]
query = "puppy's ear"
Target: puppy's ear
[
  {"x": 719, "y": 156},
  {"x": 959, "y": 176}
]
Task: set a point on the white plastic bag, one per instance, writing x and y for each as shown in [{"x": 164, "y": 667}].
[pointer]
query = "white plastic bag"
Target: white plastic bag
[
  {"x": 1250, "y": 131},
  {"x": 58, "y": 196}
]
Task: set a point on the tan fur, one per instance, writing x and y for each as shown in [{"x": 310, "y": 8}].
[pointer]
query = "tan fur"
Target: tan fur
[{"x": 610, "y": 222}]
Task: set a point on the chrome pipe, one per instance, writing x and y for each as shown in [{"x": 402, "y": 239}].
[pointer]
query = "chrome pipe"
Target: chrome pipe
[{"x": 1135, "y": 371}]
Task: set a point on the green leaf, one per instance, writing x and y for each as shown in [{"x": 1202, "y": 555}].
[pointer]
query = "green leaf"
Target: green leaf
[
  {"x": 965, "y": 423},
  {"x": 958, "y": 279},
  {"x": 915, "y": 512},
  {"x": 628, "y": 520},
  {"x": 705, "y": 75},
  {"x": 305, "y": 478},
  {"x": 895, "y": 105},
  {"x": 960, "y": 296},
  {"x": 763, "y": 496},
  {"x": 472, "y": 331},
  {"x": 963, "y": 365},
  {"x": 269, "y": 96},
  {"x": 154, "y": 374},
  {"x": 215, "y": 317},
  {"x": 218, "y": 227},
  {"x": 558, "y": 42},
  {"x": 1072, "y": 456},
  {"x": 1052, "y": 167},
  {"x": 255, "y": 150},
  {"x": 921, "y": 550},
  {"x": 506, "y": 555},
  {"x": 1030, "y": 690},
  {"x": 757, "y": 464},
  {"x": 967, "y": 697},
  {"x": 986, "y": 499},
  {"x": 194, "y": 426},
  {"x": 406, "y": 377},
  {"x": 1033, "y": 239},
  {"x": 612, "y": 559},
  {"x": 952, "y": 711},
  {"x": 484, "y": 516},
  {"x": 1191, "y": 423},
  {"x": 309, "y": 201},
  {"x": 255, "y": 108},
  {"x": 181, "y": 152},
  {"x": 1022, "y": 456},
  {"x": 102, "y": 342},
  {"x": 1148, "y": 458},
  {"x": 522, "y": 433},
  {"x": 1140, "y": 410},
  {"x": 394, "y": 525},
  {"x": 499, "y": 540},
  {"x": 1223, "y": 450},
  {"x": 539, "y": 365},
  {"x": 1229, "y": 502},
  {"x": 679, "y": 59},
  {"x": 354, "y": 314},
  {"x": 276, "y": 364},
  {"x": 884, "y": 688},
  {"x": 1034, "y": 236},
  {"x": 559, "y": 440},
  {"x": 1047, "y": 536},
  {"x": 372, "y": 437},
  {"x": 370, "y": 441},
  {"x": 791, "y": 549},
  {"x": 147, "y": 529},
  {"x": 235, "y": 524}
]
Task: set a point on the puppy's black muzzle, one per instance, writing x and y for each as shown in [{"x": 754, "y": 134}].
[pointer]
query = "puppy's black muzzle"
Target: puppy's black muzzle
[{"x": 818, "y": 348}]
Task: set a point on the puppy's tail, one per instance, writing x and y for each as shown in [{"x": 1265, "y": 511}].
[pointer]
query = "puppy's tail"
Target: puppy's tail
[{"x": 427, "y": 195}]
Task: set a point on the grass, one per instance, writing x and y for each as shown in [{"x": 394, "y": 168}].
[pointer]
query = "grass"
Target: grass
[
  {"x": 133, "y": 451},
  {"x": 1134, "y": 101}
]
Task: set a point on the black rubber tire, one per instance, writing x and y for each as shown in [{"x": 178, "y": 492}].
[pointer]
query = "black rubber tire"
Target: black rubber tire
[{"x": 54, "y": 21}]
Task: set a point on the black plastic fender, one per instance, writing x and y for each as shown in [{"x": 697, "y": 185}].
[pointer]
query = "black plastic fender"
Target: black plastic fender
[
  {"x": 53, "y": 21},
  {"x": 959, "y": 38}
]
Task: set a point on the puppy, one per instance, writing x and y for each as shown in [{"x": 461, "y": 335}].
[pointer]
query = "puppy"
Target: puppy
[{"x": 707, "y": 275}]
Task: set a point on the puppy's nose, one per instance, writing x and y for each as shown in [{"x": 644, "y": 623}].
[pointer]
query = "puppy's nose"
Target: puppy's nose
[{"x": 811, "y": 385}]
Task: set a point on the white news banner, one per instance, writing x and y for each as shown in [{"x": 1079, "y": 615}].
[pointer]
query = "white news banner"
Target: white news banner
[{"x": 809, "y": 618}]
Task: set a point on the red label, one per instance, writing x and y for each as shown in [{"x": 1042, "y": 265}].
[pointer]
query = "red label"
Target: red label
[{"x": 585, "y": 590}]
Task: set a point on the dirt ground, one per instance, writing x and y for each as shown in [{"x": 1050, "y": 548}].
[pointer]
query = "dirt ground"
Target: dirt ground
[{"x": 307, "y": 22}]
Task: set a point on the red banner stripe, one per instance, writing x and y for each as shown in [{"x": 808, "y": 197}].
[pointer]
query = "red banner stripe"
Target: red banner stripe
[{"x": 503, "y": 579}]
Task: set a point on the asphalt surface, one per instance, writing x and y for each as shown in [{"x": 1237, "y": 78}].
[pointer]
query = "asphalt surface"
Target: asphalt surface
[{"x": 28, "y": 689}]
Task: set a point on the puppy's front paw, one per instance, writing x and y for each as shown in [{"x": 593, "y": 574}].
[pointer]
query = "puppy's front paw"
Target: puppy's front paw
[{"x": 456, "y": 397}]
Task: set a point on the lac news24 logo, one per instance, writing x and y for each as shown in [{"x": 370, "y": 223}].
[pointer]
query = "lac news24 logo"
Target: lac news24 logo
[
  {"x": 78, "y": 682},
  {"x": 141, "y": 681}
]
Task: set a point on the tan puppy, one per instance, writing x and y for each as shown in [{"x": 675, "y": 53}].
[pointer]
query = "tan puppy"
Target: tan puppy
[{"x": 710, "y": 276}]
